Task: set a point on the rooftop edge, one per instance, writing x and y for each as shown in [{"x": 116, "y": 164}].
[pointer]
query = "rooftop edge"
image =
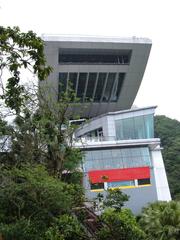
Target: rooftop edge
[{"x": 89, "y": 38}]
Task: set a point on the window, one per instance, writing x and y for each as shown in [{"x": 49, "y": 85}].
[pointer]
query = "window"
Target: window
[
  {"x": 91, "y": 56},
  {"x": 116, "y": 158},
  {"x": 81, "y": 85},
  {"x": 109, "y": 87},
  {"x": 95, "y": 86},
  {"x": 140, "y": 127},
  {"x": 97, "y": 186},
  {"x": 100, "y": 85},
  {"x": 117, "y": 87},
  {"x": 120, "y": 184},
  {"x": 145, "y": 181},
  {"x": 91, "y": 86}
]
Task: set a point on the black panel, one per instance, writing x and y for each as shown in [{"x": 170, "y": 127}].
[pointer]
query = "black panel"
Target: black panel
[
  {"x": 93, "y": 58},
  {"x": 117, "y": 87},
  {"x": 95, "y": 186},
  {"x": 144, "y": 181},
  {"x": 90, "y": 86},
  {"x": 81, "y": 85},
  {"x": 109, "y": 87},
  {"x": 100, "y": 85}
]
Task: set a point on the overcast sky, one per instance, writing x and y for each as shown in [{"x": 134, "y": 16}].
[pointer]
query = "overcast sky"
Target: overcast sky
[{"x": 158, "y": 20}]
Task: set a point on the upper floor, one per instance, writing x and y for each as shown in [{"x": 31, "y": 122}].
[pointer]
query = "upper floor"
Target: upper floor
[
  {"x": 105, "y": 73},
  {"x": 129, "y": 125}
]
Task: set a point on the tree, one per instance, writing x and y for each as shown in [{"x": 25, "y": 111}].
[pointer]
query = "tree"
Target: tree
[
  {"x": 66, "y": 227},
  {"x": 34, "y": 192},
  {"x": 41, "y": 132},
  {"x": 161, "y": 220},
  {"x": 19, "y": 51},
  {"x": 29, "y": 197},
  {"x": 119, "y": 225},
  {"x": 169, "y": 132},
  {"x": 115, "y": 199}
]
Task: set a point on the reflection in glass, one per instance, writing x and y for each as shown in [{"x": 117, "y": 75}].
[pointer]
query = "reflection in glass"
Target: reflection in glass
[
  {"x": 140, "y": 127},
  {"x": 81, "y": 85},
  {"x": 120, "y": 184},
  {"x": 117, "y": 87},
  {"x": 90, "y": 86},
  {"x": 109, "y": 87},
  {"x": 117, "y": 158},
  {"x": 100, "y": 85}
]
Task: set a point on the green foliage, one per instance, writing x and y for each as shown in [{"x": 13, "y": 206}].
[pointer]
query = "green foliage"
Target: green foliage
[
  {"x": 66, "y": 228},
  {"x": 19, "y": 51},
  {"x": 169, "y": 132},
  {"x": 161, "y": 220},
  {"x": 31, "y": 198},
  {"x": 22, "y": 229},
  {"x": 119, "y": 225},
  {"x": 115, "y": 199}
]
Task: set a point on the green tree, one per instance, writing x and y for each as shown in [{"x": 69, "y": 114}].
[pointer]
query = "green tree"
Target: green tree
[
  {"x": 119, "y": 225},
  {"x": 161, "y": 220},
  {"x": 169, "y": 132},
  {"x": 115, "y": 199},
  {"x": 66, "y": 227},
  {"x": 31, "y": 198},
  {"x": 41, "y": 132},
  {"x": 19, "y": 51}
]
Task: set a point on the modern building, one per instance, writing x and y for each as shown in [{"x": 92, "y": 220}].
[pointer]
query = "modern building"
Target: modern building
[
  {"x": 120, "y": 151},
  {"x": 105, "y": 73},
  {"x": 118, "y": 144}
]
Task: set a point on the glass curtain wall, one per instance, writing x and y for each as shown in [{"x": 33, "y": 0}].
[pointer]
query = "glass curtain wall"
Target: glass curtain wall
[
  {"x": 93, "y": 87},
  {"x": 140, "y": 127},
  {"x": 116, "y": 158}
]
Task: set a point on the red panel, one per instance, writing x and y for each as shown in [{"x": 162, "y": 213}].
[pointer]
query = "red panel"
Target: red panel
[{"x": 113, "y": 175}]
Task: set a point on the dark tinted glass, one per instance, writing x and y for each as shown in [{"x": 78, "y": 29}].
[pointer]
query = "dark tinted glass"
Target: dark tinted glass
[
  {"x": 144, "y": 181},
  {"x": 66, "y": 58},
  {"x": 109, "y": 87},
  {"x": 91, "y": 85},
  {"x": 81, "y": 85},
  {"x": 97, "y": 186},
  {"x": 100, "y": 85}
]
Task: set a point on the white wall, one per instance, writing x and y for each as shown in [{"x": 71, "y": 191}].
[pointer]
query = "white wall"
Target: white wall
[{"x": 161, "y": 182}]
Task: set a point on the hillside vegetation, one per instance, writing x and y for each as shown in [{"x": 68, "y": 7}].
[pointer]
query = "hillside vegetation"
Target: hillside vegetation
[{"x": 169, "y": 131}]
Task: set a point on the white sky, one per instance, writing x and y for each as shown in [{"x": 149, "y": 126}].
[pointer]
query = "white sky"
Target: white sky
[{"x": 158, "y": 20}]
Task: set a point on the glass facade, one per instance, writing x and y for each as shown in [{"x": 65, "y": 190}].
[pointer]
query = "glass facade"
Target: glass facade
[
  {"x": 139, "y": 127},
  {"x": 120, "y": 184},
  {"x": 116, "y": 158},
  {"x": 93, "y": 87},
  {"x": 93, "y": 58}
]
